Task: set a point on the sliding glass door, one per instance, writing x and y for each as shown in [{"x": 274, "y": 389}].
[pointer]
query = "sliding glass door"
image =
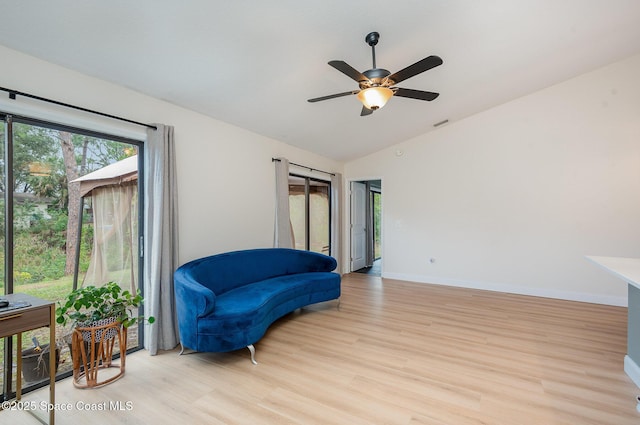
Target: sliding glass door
[
  {"x": 310, "y": 211},
  {"x": 50, "y": 236}
]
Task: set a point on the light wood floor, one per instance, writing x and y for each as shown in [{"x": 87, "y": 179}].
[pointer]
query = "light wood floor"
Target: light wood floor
[{"x": 393, "y": 353}]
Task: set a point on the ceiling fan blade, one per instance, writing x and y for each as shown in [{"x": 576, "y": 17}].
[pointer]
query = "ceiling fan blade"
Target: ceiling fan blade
[
  {"x": 365, "y": 111},
  {"x": 415, "y": 94},
  {"x": 348, "y": 70},
  {"x": 415, "y": 69},
  {"x": 333, "y": 96}
]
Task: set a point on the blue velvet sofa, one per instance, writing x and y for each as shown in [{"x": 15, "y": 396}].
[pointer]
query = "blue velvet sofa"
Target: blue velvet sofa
[{"x": 227, "y": 301}]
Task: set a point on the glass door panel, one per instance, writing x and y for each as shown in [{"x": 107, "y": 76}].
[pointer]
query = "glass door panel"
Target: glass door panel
[
  {"x": 56, "y": 230},
  {"x": 377, "y": 225},
  {"x": 310, "y": 211},
  {"x": 298, "y": 211},
  {"x": 3, "y": 365},
  {"x": 319, "y": 217}
]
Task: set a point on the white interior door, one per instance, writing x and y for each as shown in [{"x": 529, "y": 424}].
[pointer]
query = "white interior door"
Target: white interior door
[{"x": 358, "y": 226}]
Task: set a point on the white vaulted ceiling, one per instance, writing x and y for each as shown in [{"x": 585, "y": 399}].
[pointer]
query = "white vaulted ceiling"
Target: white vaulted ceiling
[{"x": 255, "y": 63}]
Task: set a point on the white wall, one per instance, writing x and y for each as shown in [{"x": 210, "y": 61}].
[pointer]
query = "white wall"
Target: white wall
[
  {"x": 225, "y": 174},
  {"x": 510, "y": 199},
  {"x": 513, "y": 198}
]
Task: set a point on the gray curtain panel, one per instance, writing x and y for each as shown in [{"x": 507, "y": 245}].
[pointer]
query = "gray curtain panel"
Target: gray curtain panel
[
  {"x": 336, "y": 219},
  {"x": 283, "y": 234},
  {"x": 160, "y": 238}
]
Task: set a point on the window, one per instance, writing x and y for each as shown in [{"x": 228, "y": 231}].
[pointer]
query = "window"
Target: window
[
  {"x": 42, "y": 217},
  {"x": 377, "y": 223},
  {"x": 310, "y": 211}
]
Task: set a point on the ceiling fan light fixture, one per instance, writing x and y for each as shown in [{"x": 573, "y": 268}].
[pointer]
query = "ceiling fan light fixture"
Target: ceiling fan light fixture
[
  {"x": 375, "y": 97},
  {"x": 377, "y": 85}
]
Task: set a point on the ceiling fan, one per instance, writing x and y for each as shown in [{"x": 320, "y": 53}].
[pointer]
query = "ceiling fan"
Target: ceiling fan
[{"x": 377, "y": 85}]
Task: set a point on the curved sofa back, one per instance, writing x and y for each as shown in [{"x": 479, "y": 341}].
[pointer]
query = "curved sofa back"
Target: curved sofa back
[{"x": 223, "y": 272}]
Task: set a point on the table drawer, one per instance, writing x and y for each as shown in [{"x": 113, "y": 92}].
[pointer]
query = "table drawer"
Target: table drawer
[{"x": 17, "y": 321}]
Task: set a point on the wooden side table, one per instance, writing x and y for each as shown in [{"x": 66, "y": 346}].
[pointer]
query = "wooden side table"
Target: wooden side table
[{"x": 40, "y": 313}]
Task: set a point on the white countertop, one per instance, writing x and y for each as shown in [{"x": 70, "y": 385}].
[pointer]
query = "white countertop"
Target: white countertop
[{"x": 627, "y": 269}]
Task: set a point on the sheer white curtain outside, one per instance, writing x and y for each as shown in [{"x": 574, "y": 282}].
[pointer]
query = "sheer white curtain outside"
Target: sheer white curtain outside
[
  {"x": 161, "y": 238},
  {"x": 115, "y": 237},
  {"x": 283, "y": 234}
]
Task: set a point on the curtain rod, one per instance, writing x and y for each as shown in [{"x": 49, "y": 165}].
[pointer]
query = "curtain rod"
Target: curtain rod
[
  {"x": 14, "y": 93},
  {"x": 304, "y": 166}
]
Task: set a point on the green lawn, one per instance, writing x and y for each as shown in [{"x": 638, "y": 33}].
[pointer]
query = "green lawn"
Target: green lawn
[{"x": 52, "y": 290}]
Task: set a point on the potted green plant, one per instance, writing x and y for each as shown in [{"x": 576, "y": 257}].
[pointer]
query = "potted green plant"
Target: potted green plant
[
  {"x": 97, "y": 315},
  {"x": 90, "y": 304}
]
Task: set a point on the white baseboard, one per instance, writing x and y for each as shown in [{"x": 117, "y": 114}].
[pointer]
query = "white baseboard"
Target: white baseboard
[
  {"x": 620, "y": 301},
  {"x": 632, "y": 369}
]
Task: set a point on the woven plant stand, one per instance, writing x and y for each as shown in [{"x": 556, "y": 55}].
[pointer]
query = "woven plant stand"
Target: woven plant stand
[{"x": 92, "y": 351}]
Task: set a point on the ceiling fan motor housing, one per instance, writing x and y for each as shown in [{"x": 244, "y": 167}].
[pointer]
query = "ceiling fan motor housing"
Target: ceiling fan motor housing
[{"x": 375, "y": 77}]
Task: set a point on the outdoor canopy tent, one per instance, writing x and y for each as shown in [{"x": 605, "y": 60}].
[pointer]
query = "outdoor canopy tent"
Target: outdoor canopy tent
[
  {"x": 114, "y": 174},
  {"x": 114, "y": 194}
]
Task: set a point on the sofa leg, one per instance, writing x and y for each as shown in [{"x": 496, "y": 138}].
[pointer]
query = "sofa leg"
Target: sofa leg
[
  {"x": 338, "y": 306},
  {"x": 252, "y": 349},
  {"x": 184, "y": 350}
]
